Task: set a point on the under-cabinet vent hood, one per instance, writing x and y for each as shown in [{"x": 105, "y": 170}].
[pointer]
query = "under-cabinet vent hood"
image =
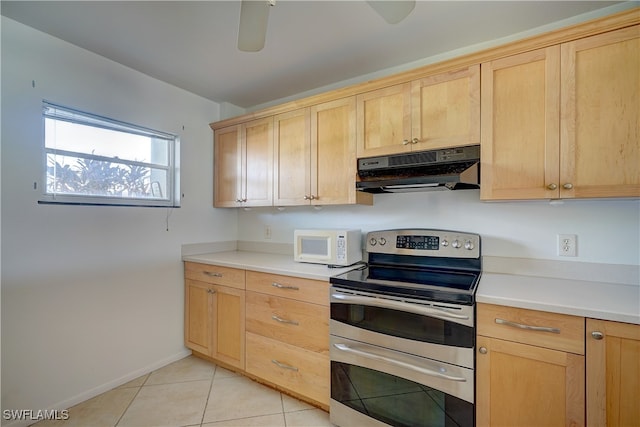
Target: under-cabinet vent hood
[{"x": 455, "y": 168}]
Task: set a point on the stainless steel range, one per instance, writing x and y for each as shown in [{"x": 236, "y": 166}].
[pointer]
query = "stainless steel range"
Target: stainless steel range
[{"x": 403, "y": 331}]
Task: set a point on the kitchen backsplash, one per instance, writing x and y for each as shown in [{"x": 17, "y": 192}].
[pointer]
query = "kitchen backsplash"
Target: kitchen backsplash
[{"x": 608, "y": 231}]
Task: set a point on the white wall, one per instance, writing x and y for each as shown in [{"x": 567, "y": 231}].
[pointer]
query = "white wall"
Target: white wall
[
  {"x": 92, "y": 296},
  {"x": 608, "y": 230}
]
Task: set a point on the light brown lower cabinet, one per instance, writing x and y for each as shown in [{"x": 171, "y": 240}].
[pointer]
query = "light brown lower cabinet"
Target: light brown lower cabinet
[
  {"x": 525, "y": 385},
  {"x": 303, "y": 372},
  {"x": 276, "y": 331},
  {"x": 518, "y": 381},
  {"x": 288, "y": 334},
  {"x": 613, "y": 374},
  {"x": 535, "y": 368},
  {"x": 215, "y": 313}
]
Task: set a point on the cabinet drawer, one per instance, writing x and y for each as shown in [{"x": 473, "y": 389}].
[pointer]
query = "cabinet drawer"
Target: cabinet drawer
[
  {"x": 218, "y": 275},
  {"x": 550, "y": 330},
  {"x": 298, "y": 323},
  {"x": 302, "y": 371},
  {"x": 314, "y": 291}
]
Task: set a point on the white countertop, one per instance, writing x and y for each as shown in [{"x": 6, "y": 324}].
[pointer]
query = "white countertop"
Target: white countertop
[
  {"x": 599, "y": 300},
  {"x": 267, "y": 263},
  {"x": 596, "y": 299}
]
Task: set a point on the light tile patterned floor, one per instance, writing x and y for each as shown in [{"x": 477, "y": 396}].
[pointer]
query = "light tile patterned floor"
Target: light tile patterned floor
[{"x": 192, "y": 392}]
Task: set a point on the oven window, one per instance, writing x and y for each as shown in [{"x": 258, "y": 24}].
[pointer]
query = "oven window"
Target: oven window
[
  {"x": 404, "y": 325},
  {"x": 396, "y": 401}
]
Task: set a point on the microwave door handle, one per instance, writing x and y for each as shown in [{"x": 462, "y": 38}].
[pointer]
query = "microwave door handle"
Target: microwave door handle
[
  {"x": 397, "y": 305},
  {"x": 346, "y": 348}
]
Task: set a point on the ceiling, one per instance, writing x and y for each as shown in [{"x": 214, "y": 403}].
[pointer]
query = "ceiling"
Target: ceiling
[{"x": 309, "y": 44}]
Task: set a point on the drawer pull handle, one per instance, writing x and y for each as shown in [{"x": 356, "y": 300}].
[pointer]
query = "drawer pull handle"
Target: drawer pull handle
[
  {"x": 281, "y": 286},
  {"x": 597, "y": 335},
  {"x": 211, "y": 291},
  {"x": 212, "y": 274},
  {"x": 527, "y": 327},
  {"x": 281, "y": 320},
  {"x": 284, "y": 365}
]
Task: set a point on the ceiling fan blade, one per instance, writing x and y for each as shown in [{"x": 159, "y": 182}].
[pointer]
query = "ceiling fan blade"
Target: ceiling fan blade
[
  {"x": 393, "y": 11},
  {"x": 252, "y": 31}
]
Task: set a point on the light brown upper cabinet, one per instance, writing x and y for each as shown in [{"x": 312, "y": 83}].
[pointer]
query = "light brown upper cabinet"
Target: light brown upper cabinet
[
  {"x": 315, "y": 156},
  {"x": 437, "y": 111},
  {"x": 244, "y": 164},
  {"x": 563, "y": 122}
]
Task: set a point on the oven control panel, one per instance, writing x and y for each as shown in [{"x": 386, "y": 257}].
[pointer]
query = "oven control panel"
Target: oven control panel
[{"x": 424, "y": 242}]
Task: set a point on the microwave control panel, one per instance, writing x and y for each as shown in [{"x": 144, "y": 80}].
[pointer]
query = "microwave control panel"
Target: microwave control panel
[{"x": 341, "y": 247}]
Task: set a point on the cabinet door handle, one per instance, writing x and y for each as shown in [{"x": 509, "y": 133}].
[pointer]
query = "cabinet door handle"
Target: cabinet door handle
[
  {"x": 280, "y": 286},
  {"x": 284, "y": 365},
  {"x": 281, "y": 320},
  {"x": 528, "y": 327},
  {"x": 568, "y": 186},
  {"x": 552, "y": 186},
  {"x": 211, "y": 291},
  {"x": 482, "y": 350},
  {"x": 405, "y": 142},
  {"x": 212, "y": 274},
  {"x": 597, "y": 335},
  {"x": 415, "y": 140}
]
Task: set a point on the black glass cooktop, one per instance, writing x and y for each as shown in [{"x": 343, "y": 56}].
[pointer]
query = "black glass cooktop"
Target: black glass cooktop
[{"x": 430, "y": 284}]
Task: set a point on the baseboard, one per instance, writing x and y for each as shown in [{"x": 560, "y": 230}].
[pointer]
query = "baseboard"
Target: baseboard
[{"x": 91, "y": 393}]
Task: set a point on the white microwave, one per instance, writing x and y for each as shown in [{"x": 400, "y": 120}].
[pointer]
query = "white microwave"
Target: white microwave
[{"x": 331, "y": 247}]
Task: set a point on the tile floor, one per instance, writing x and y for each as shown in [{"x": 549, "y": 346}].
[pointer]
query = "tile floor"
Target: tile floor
[{"x": 192, "y": 392}]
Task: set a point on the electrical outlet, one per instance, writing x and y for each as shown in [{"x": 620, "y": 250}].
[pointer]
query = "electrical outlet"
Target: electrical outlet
[
  {"x": 267, "y": 232},
  {"x": 567, "y": 245}
]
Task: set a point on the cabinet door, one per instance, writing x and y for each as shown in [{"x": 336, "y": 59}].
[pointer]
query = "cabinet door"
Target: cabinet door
[
  {"x": 292, "y": 184},
  {"x": 525, "y": 385},
  {"x": 600, "y": 142},
  {"x": 227, "y": 167},
  {"x": 520, "y": 126},
  {"x": 197, "y": 316},
  {"x": 384, "y": 121},
  {"x": 613, "y": 374},
  {"x": 333, "y": 152},
  {"x": 445, "y": 109},
  {"x": 258, "y": 162},
  {"x": 228, "y": 325}
]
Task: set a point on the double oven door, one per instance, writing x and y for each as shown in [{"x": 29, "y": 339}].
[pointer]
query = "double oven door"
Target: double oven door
[{"x": 400, "y": 362}]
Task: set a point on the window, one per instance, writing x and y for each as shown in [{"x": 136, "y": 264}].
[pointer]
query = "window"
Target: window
[{"x": 95, "y": 160}]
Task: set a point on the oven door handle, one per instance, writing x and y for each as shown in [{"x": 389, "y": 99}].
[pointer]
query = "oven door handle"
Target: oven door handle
[
  {"x": 397, "y": 305},
  {"x": 378, "y": 357}
]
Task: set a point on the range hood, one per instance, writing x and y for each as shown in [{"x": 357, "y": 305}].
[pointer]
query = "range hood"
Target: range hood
[{"x": 455, "y": 168}]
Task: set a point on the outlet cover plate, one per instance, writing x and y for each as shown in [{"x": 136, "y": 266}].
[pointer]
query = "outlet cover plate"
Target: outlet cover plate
[{"x": 567, "y": 245}]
